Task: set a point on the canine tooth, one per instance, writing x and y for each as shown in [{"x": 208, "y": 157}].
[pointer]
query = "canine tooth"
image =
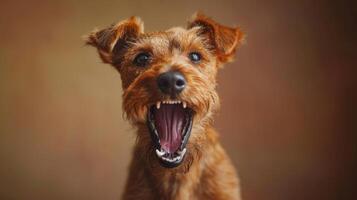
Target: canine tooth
[
  {"x": 184, "y": 104},
  {"x": 158, "y": 105},
  {"x": 159, "y": 153},
  {"x": 182, "y": 152}
]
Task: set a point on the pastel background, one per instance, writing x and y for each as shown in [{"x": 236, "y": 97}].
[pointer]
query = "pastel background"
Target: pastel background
[{"x": 288, "y": 117}]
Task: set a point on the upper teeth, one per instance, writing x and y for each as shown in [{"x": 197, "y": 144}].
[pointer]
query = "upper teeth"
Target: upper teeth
[{"x": 158, "y": 104}]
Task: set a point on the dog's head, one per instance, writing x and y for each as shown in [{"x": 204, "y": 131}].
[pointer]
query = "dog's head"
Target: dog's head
[{"x": 169, "y": 80}]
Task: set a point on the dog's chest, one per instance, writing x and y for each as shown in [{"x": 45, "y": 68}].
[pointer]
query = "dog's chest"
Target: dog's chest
[{"x": 181, "y": 186}]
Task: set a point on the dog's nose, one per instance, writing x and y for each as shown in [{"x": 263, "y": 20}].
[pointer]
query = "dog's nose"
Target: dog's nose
[{"x": 171, "y": 83}]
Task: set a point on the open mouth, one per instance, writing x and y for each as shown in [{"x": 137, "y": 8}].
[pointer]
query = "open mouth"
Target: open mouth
[{"x": 170, "y": 124}]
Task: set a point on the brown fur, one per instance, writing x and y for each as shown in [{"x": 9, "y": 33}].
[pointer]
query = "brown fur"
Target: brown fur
[{"x": 206, "y": 172}]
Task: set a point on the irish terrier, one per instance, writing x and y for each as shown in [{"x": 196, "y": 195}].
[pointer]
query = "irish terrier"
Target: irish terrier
[{"x": 169, "y": 83}]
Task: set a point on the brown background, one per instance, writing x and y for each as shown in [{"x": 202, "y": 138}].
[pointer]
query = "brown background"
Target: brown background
[{"x": 288, "y": 117}]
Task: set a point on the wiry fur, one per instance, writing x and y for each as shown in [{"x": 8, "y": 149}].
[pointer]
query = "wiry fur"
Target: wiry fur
[{"x": 206, "y": 172}]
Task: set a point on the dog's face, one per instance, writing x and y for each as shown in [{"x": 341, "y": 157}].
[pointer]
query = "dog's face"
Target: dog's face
[{"x": 169, "y": 80}]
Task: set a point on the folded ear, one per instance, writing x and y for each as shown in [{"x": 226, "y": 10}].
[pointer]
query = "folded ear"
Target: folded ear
[
  {"x": 223, "y": 39},
  {"x": 115, "y": 37}
]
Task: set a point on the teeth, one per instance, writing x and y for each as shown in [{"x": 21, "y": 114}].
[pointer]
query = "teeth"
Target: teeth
[
  {"x": 182, "y": 152},
  {"x": 184, "y": 104},
  {"x": 177, "y": 158},
  {"x": 160, "y": 153},
  {"x": 158, "y": 105}
]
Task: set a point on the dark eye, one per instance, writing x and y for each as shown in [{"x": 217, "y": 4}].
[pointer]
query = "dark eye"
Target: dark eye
[
  {"x": 142, "y": 59},
  {"x": 195, "y": 57}
]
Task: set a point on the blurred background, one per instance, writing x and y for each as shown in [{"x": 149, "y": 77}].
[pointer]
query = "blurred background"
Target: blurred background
[{"x": 288, "y": 117}]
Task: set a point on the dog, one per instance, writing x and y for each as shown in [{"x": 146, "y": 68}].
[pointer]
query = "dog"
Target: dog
[{"x": 169, "y": 83}]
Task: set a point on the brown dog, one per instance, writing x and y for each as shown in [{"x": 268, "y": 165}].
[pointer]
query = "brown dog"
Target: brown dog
[{"x": 169, "y": 83}]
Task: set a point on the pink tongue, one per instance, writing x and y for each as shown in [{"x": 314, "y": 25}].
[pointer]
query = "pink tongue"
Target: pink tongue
[{"x": 168, "y": 122}]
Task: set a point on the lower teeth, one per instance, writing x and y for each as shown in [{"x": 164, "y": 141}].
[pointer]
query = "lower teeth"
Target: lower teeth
[{"x": 160, "y": 153}]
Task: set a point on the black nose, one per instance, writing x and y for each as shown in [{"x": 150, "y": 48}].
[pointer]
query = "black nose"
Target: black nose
[{"x": 171, "y": 83}]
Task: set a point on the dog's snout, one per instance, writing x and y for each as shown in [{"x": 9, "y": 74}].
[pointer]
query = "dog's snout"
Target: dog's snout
[{"x": 171, "y": 83}]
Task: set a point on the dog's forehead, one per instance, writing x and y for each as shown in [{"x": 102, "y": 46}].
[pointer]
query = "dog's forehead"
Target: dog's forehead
[{"x": 176, "y": 37}]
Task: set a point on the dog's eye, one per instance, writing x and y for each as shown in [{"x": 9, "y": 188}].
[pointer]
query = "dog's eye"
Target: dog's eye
[
  {"x": 142, "y": 59},
  {"x": 195, "y": 57}
]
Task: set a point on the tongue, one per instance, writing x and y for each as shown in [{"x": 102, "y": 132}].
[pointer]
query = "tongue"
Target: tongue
[{"x": 169, "y": 121}]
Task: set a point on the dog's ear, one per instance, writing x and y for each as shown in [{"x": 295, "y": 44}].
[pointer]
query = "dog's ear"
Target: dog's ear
[
  {"x": 223, "y": 39},
  {"x": 115, "y": 37}
]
